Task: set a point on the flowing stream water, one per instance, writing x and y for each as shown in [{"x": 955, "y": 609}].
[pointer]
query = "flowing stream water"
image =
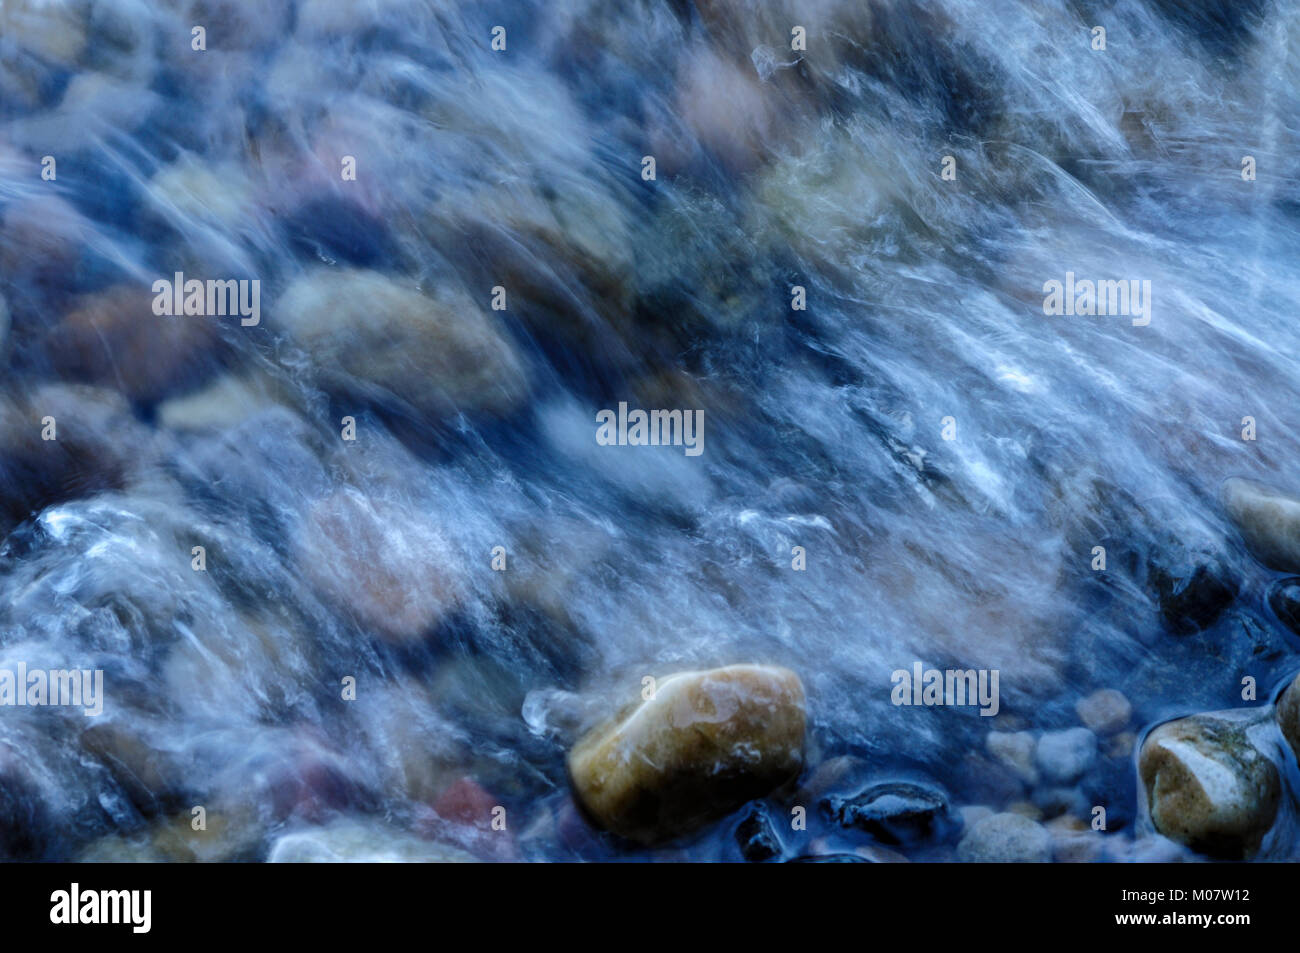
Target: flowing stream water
[{"x": 944, "y": 454}]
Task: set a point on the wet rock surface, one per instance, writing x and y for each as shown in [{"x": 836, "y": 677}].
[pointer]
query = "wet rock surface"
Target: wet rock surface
[
  {"x": 369, "y": 335},
  {"x": 397, "y": 576},
  {"x": 1006, "y": 839},
  {"x": 1064, "y": 756},
  {"x": 108, "y": 339},
  {"x": 1268, "y": 519},
  {"x": 422, "y": 576},
  {"x": 894, "y": 812},
  {"x": 1284, "y": 600},
  {"x": 1208, "y": 783},
  {"x": 1105, "y": 711},
  {"x": 1192, "y": 587},
  {"x": 757, "y": 838},
  {"x": 1015, "y": 750},
  {"x": 705, "y": 743}
]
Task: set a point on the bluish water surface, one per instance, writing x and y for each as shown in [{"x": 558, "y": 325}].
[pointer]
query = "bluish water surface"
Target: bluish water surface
[{"x": 824, "y": 428}]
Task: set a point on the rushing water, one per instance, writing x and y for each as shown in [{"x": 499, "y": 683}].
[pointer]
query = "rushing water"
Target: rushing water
[{"x": 823, "y": 428}]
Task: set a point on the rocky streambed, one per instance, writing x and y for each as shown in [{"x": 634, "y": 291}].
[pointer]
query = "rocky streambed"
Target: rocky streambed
[{"x": 324, "y": 333}]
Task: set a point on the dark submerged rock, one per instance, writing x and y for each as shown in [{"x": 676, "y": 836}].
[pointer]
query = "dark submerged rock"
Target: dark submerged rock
[
  {"x": 1284, "y": 600},
  {"x": 894, "y": 812},
  {"x": 756, "y": 837},
  {"x": 1192, "y": 585}
]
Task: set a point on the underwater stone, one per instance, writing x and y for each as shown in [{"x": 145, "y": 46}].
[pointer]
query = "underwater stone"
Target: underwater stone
[
  {"x": 1105, "y": 711},
  {"x": 369, "y": 335},
  {"x": 1268, "y": 520},
  {"x": 894, "y": 812},
  {"x": 1006, "y": 839}
]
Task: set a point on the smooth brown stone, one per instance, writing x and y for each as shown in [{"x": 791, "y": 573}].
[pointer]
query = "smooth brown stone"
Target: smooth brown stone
[
  {"x": 1207, "y": 786},
  {"x": 706, "y": 743}
]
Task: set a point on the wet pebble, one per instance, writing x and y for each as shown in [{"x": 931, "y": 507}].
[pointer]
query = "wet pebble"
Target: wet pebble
[
  {"x": 1061, "y": 801},
  {"x": 1105, "y": 711},
  {"x": 894, "y": 812},
  {"x": 1015, "y": 750},
  {"x": 1006, "y": 839},
  {"x": 1073, "y": 842},
  {"x": 1063, "y": 756},
  {"x": 95, "y": 444}
]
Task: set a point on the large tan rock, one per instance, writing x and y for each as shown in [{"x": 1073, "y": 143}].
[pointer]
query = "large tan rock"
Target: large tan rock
[
  {"x": 1268, "y": 520},
  {"x": 705, "y": 743},
  {"x": 189, "y": 191},
  {"x": 1208, "y": 786}
]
